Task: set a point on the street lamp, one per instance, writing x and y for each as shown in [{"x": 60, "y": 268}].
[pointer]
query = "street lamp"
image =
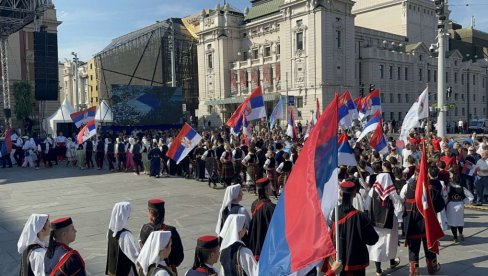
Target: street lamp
[
  {"x": 77, "y": 96},
  {"x": 441, "y": 75}
]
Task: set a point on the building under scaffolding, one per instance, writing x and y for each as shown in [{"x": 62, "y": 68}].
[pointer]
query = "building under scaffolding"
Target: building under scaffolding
[{"x": 146, "y": 57}]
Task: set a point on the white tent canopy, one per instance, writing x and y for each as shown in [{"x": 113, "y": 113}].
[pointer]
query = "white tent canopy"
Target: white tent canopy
[
  {"x": 60, "y": 116},
  {"x": 104, "y": 113}
]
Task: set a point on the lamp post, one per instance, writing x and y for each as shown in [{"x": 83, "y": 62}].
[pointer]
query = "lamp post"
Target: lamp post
[
  {"x": 75, "y": 75},
  {"x": 441, "y": 75}
]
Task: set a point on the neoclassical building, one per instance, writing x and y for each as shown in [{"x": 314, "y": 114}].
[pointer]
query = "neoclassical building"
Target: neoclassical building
[{"x": 311, "y": 49}]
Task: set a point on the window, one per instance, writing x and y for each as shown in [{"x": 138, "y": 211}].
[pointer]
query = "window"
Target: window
[
  {"x": 462, "y": 79},
  {"x": 255, "y": 53},
  {"x": 96, "y": 87},
  {"x": 267, "y": 51},
  {"x": 399, "y": 98},
  {"x": 447, "y": 77},
  {"x": 278, "y": 49},
  {"x": 455, "y": 77},
  {"x": 420, "y": 74},
  {"x": 390, "y": 72},
  {"x": 271, "y": 76},
  {"x": 392, "y": 115},
  {"x": 247, "y": 78},
  {"x": 428, "y": 75},
  {"x": 300, "y": 41},
  {"x": 91, "y": 76},
  {"x": 462, "y": 97},
  {"x": 400, "y": 115},
  {"x": 399, "y": 73},
  {"x": 407, "y": 100},
  {"x": 245, "y": 55},
  {"x": 475, "y": 111},
  {"x": 406, "y": 73},
  {"x": 456, "y": 111},
  {"x": 210, "y": 61},
  {"x": 299, "y": 101},
  {"x": 91, "y": 66},
  {"x": 338, "y": 39},
  {"x": 474, "y": 79},
  {"x": 391, "y": 97},
  {"x": 435, "y": 76},
  {"x": 209, "y": 109},
  {"x": 456, "y": 96},
  {"x": 474, "y": 97},
  {"x": 382, "y": 69}
]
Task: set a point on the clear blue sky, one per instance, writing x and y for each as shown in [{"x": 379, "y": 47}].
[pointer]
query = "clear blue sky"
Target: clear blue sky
[{"x": 89, "y": 25}]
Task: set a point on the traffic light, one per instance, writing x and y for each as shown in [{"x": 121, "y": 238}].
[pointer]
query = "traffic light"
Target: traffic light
[
  {"x": 371, "y": 87},
  {"x": 449, "y": 92}
]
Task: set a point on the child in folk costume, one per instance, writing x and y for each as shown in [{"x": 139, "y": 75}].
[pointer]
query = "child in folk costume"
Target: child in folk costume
[
  {"x": 71, "y": 152},
  {"x": 227, "y": 165},
  {"x": 284, "y": 169},
  {"x": 270, "y": 167},
  {"x": 80, "y": 156},
  {"x": 458, "y": 196},
  {"x": 251, "y": 164}
]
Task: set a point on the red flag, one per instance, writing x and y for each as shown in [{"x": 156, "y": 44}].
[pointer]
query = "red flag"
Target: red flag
[{"x": 433, "y": 231}]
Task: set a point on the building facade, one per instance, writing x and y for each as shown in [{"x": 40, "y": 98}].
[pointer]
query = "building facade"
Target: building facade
[
  {"x": 93, "y": 83},
  {"x": 71, "y": 81},
  {"x": 20, "y": 53},
  {"x": 311, "y": 49}
]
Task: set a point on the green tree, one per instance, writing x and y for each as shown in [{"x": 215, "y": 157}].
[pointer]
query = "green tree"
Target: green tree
[{"x": 23, "y": 99}]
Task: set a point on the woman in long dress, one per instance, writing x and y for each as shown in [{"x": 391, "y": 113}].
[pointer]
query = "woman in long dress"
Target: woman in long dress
[{"x": 458, "y": 196}]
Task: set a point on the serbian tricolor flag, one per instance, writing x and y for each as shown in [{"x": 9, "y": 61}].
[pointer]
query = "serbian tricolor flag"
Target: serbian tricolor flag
[
  {"x": 84, "y": 116},
  {"x": 347, "y": 110},
  {"x": 252, "y": 107},
  {"x": 298, "y": 238},
  {"x": 370, "y": 104},
  {"x": 89, "y": 130},
  {"x": 378, "y": 141},
  {"x": 345, "y": 152},
  {"x": 291, "y": 129},
  {"x": 184, "y": 142},
  {"x": 433, "y": 231},
  {"x": 468, "y": 168},
  {"x": 370, "y": 126}
]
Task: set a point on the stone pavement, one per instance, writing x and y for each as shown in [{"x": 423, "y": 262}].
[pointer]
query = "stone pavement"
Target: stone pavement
[{"x": 89, "y": 195}]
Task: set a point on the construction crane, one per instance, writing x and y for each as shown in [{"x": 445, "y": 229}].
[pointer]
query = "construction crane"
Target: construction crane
[{"x": 14, "y": 16}]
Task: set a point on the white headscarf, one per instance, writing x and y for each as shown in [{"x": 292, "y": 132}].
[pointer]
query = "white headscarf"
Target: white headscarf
[
  {"x": 230, "y": 231},
  {"x": 120, "y": 215},
  {"x": 231, "y": 193},
  {"x": 157, "y": 241},
  {"x": 34, "y": 225},
  {"x": 131, "y": 141}
]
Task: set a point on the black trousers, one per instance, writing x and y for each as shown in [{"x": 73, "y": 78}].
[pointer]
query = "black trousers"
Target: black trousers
[
  {"x": 414, "y": 250},
  {"x": 89, "y": 159},
  {"x": 361, "y": 272},
  {"x": 99, "y": 159},
  {"x": 111, "y": 160},
  {"x": 121, "y": 161},
  {"x": 137, "y": 161}
]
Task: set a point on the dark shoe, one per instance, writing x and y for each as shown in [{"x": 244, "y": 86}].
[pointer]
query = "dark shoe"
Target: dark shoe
[
  {"x": 395, "y": 264},
  {"x": 433, "y": 266}
]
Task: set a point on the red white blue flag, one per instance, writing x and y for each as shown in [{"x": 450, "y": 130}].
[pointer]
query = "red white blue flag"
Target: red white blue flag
[
  {"x": 291, "y": 129},
  {"x": 89, "y": 130},
  {"x": 184, "y": 142},
  {"x": 378, "y": 141},
  {"x": 370, "y": 104},
  {"x": 345, "y": 152},
  {"x": 370, "y": 125},
  {"x": 252, "y": 107},
  {"x": 307, "y": 199},
  {"x": 84, "y": 116}
]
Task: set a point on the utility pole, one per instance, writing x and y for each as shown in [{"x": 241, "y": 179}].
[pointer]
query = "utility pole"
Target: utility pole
[
  {"x": 75, "y": 74},
  {"x": 172, "y": 49},
  {"x": 5, "y": 80},
  {"x": 441, "y": 75}
]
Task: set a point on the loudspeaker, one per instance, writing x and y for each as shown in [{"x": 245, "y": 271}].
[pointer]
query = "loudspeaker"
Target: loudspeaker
[{"x": 46, "y": 66}]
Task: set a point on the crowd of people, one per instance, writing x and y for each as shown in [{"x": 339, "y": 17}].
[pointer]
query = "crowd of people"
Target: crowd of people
[{"x": 377, "y": 206}]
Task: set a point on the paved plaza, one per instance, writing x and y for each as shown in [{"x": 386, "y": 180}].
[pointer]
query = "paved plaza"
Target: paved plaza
[{"x": 89, "y": 195}]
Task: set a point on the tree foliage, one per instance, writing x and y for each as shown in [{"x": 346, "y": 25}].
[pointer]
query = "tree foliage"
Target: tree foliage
[{"x": 23, "y": 99}]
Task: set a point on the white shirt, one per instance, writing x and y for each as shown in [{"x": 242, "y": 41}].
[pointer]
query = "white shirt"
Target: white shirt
[
  {"x": 481, "y": 165},
  {"x": 60, "y": 139},
  {"x": 36, "y": 259}
]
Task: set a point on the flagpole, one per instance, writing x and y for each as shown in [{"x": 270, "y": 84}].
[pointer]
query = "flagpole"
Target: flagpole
[
  {"x": 286, "y": 100},
  {"x": 428, "y": 115},
  {"x": 336, "y": 210}
]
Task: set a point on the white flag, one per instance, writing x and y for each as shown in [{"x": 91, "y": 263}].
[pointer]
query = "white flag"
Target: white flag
[{"x": 418, "y": 111}]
